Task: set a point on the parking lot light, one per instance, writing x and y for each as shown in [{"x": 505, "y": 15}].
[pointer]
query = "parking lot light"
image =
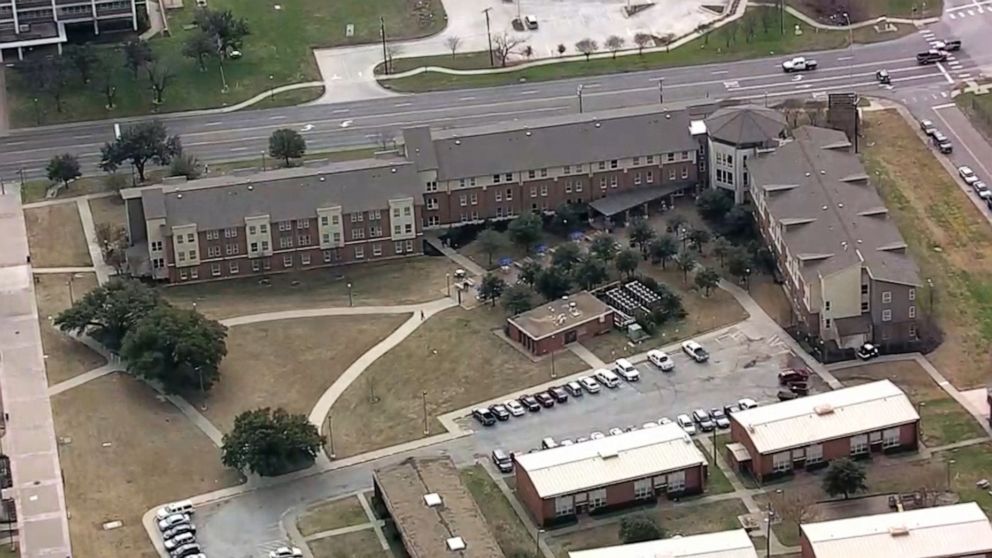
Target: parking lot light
[
  {"x": 351, "y": 301},
  {"x": 427, "y": 428}
]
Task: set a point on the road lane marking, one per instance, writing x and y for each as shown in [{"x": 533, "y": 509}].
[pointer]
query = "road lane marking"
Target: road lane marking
[
  {"x": 213, "y": 123},
  {"x": 964, "y": 75},
  {"x": 278, "y": 117},
  {"x": 731, "y": 84},
  {"x": 720, "y": 72},
  {"x": 843, "y": 58},
  {"x": 943, "y": 94},
  {"x": 466, "y": 98},
  {"x": 398, "y": 105},
  {"x": 340, "y": 111},
  {"x": 947, "y": 76},
  {"x": 591, "y": 85},
  {"x": 529, "y": 92}
]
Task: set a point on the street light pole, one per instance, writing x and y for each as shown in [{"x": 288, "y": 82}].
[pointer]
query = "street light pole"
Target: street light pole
[
  {"x": 661, "y": 90},
  {"x": 330, "y": 433},
  {"x": 554, "y": 373},
  {"x": 578, "y": 92},
  {"x": 447, "y": 280},
  {"x": 949, "y": 463},
  {"x": 72, "y": 300},
  {"x": 489, "y": 36},
  {"x": 768, "y": 531},
  {"x": 351, "y": 301},
  {"x": 930, "y": 293},
  {"x": 427, "y": 428},
  {"x": 537, "y": 542},
  {"x": 382, "y": 33},
  {"x": 263, "y": 161}
]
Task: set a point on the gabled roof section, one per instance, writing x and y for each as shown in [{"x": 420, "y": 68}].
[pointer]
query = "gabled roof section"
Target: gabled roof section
[
  {"x": 746, "y": 125},
  {"x": 420, "y": 147}
]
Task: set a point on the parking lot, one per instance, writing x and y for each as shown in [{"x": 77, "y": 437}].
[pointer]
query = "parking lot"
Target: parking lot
[{"x": 742, "y": 364}]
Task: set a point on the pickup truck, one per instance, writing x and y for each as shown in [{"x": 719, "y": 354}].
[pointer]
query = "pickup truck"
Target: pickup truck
[
  {"x": 931, "y": 57},
  {"x": 798, "y": 64},
  {"x": 947, "y": 45}
]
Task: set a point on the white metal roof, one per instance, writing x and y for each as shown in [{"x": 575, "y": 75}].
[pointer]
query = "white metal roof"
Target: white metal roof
[
  {"x": 827, "y": 416},
  {"x": 723, "y": 544},
  {"x": 956, "y": 530},
  {"x": 634, "y": 455}
]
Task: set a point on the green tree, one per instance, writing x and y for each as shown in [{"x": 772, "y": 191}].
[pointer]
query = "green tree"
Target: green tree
[
  {"x": 54, "y": 77},
  {"x": 566, "y": 256},
  {"x": 639, "y": 528},
  {"x": 590, "y": 272},
  {"x": 525, "y": 230},
  {"x": 137, "y": 53},
  {"x": 713, "y": 204},
  {"x": 226, "y": 31},
  {"x": 686, "y": 262},
  {"x": 641, "y": 234},
  {"x": 109, "y": 311},
  {"x": 739, "y": 263},
  {"x": 677, "y": 222},
  {"x": 270, "y": 442},
  {"x": 517, "y": 298},
  {"x": 139, "y": 144},
  {"x": 177, "y": 347},
  {"x": 738, "y": 222},
  {"x": 699, "y": 237},
  {"x": 663, "y": 249},
  {"x": 844, "y": 477},
  {"x": 626, "y": 262},
  {"x": 63, "y": 168},
  {"x": 287, "y": 144},
  {"x": 491, "y": 288},
  {"x": 199, "y": 46},
  {"x": 567, "y": 217},
  {"x": 529, "y": 272},
  {"x": 83, "y": 58},
  {"x": 553, "y": 283},
  {"x": 721, "y": 249},
  {"x": 604, "y": 247},
  {"x": 185, "y": 165},
  {"x": 707, "y": 279},
  {"x": 491, "y": 241}
]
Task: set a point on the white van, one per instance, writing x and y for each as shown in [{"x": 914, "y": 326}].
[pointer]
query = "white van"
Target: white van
[
  {"x": 624, "y": 368},
  {"x": 182, "y": 506},
  {"x": 607, "y": 378},
  {"x": 548, "y": 443}
]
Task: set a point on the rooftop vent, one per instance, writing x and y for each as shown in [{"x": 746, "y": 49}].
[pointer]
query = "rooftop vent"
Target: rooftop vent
[
  {"x": 823, "y": 171},
  {"x": 608, "y": 453},
  {"x": 179, "y": 196},
  {"x": 840, "y": 205},
  {"x": 667, "y": 116},
  {"x": 250, "y": 187},
  {"x": 458, "y": 142},
  {"x": 455, "y": 544},
  {"x": 825, "y": 208},
  {"x": 527, "y": 133},
  {"x": 393, "y": 170},
  {"x": 900, "y": 531},
  {"x": 322, "y": 179},
  {"x": 598, "y": 124},
  {"x": 824, "y": 409},
  {"x": 807, "y": 175},
  {"x": 432, "y": 500}
]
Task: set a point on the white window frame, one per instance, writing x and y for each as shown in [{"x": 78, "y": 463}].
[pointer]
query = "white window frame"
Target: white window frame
[
  {"x": 359, "y": 252},
  {"x": 912, "y": 312},
  {"x": 782, "y": 461},
  {"x": 287, "y": 260},
  {"x": 890, "y": 438},
  {"x": 305, "y": 259},
  {"x": 643, "y": 489},
  {"x": 912, "y": 294},
  {"x": 564, "y": 505},
  {"x": 597, "y": 498},
  {"x": 676, "y": 481},
  {"x": 233, "y": 268},
  {"x": 859, "y": 444},
  {"x": 886, "y": 315},
  {"x": 215, "y": 270},
  {"x": 376, "y": 249},
  {"x": 814, "y": 454},
  {"x": 886, "y": 297}
]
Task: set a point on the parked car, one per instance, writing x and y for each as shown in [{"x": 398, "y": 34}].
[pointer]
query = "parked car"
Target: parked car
[
  {"x": 515, "y": 408},
  {"x": 531, "y": 22},
  {"x": 786, "y": 395},
  {"x": 616, "y": 431},
  {"x": 790, "y": 375},
  {"x": 590, "y": 384},
  {"x": 799, "y": 388},
  {"x": 731, "y": 408},
  {"x": 502, "y": 461},
  {"x": 927, "y": 127},
  {"x": 702, "y": 418},
  {"x": 649, "y": 425},
  {"x": 664, "y": 420},
  {"x": 597, "y": 436},
  {"x": 626, "y": 370},
  {"x": 941, "y": 142},
  {"x": 530, "y": 403},
  {"x": 500, "y": 412},
  {"x": 186, "y": 551},
  {"x": 286, "y": 552},
  {"x": 548, "y": 443},
  {"x": 559, "y": 394},
  {"x": 484, "y": 416},
  {"x": 661, "y": 360},
  {"x": 867, "y": 351},
  {"x": 799, "y": 64},
  {"x": 982, "y": 190},
  {"x": 746, "y": 403},
  {"x": 607, "y": 378},
  {"x": 574, "y": 389},
  {"x": 581, "y": 439},
  {"x": 967, "y": 175},
  {"x": 695, "y": 351},
  {"x": 686, "y": 423},
  {"x": 182, "y": 506},
  {"x": 180, "y": 540},
  {"x": 720, "y": 418},
  {"x": 544, "y": 399},
  {"x": 172, "y": 521},
  {"x": 178, "y": 530}
]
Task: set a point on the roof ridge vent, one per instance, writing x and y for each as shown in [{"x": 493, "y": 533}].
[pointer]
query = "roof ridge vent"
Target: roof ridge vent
[
  {"x": 455, "y": 544},
  {"x": 808, "y": 175},
  {"x": 824, "y": 409},
  {"x": 822, "y": 171},
  {"x": 899, "y": 531},
  {"x": 608, "y": 453},
  {"x": 432, "y": 499}
]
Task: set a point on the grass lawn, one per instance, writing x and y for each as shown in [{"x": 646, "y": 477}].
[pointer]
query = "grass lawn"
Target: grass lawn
[
  {"x": 726, "y": 44},
  {"x": 7, "y": 552},
  {"x": 979, "y": 110},
  {"x": 272, "y": 57},
  {"x": 55, "y": 236},
  {"x": 384, "y": 283},
  {"x": 511, "y": 534},
  {"x": 944, "y": 421},
  {"x": 64, "y": 356},
  {"x": 971, "y": 464},
  {"x": 359, "y": 544},
  {"x": 288, "y": 363},
  {"x": 139, "y": 450},
  {"x": 456, "y": 358},
  {"x": 716, "y": 481},
  {"x": 771, "y": 297},
  {"x": 947, "y": 236},
  {"x": 109, "y": 210},
  {"x": 325, "y": 516},
  {"x": 865, "y": 11}
]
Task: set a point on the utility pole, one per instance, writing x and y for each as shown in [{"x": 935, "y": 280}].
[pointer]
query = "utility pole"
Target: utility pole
[
  {"x": 489, "y": 36},
  {"x": 330, "y": 433},
  {"x": 661, "y": 90},
  {"x": 578, "y": 91},
  {"x": 768, "y": 532},
  {"x": 781, "y": 16},
  {"x": 427, "y": 428},
  {"x": 382, "y": 33}
]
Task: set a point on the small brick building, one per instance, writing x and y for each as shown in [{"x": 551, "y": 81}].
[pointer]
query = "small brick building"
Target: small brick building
[
  {"x": 553, "y": 325},
  {"x": 612, "y": 472},
  {"x": 810, "y": 431}
]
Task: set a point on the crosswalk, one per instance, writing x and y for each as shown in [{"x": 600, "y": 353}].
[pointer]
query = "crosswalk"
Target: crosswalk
[{"x": 954, "y": 66}]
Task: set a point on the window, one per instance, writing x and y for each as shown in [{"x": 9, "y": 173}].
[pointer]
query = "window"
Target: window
[
  {"x": 287, "y": 225},
  {"x": 158, "y": 263},
  {"x": 182, "y": 256},
  {"x": 397, "y": 229},
  {"x": 912, "y": 312},
  {"x": 323, "y": 220},
  {"x": 409, "y": 246},
  {"x": 398, "y": 247},
  {"x": 231, "y": 233},
  {"x": 814, "y": 454},
  {"x": 509, "y": 194},
  {"x": 215, "y": 269},
  {"x": 499, "y": 211},
  {"x": 602, "y": 165},
  {"x": 157, "y": 246},
  {"x": 912, "y": 331},
  {"x": 192, "y": 254},
  {"x": 886, "y": 315},
  {"x": 374, "y": 215},
  {"x": 463, "y": 200},
  {"x": 637, "y": 178},
  {"x": 431, "y": 186},
  {"x": 782, "y": 462},
  {"x": 251, "y": 229},
  {"x": 643, "y": 489},
  {"x": 194, "y": 273},
  {"x": 499, "y": 195},
  {"x": 912, "y": 294},
  {"x": 531, "y": 174},
  {"x": 676, "y": 481},
  {"x": 212, "y": 235},
  {"x": 182, "y": 274},
  {"x": 471, "y": 182},
  {"x": 406, "y": 211},
  {"x": 495, "y": 179},
  {"x": 266, "y": 264},
  {"x": 890, "y": 438},
  {"x": 357, "y": 233},
  {"x": 264, "y": 229},
  {"x": 473, "y": 198},
  {"x": 826, "y": 323},
  {"x": 396, "y": 212},
  {"x": 859, "y": 444},
  {"x": 286, "y": 242},
  {"x": 650, "y": 159},
  {"x": 564, "y": 505},
  {"x": 256, "y": 265},
  {"x": 567, "y": 169},
  {"x": 613, "y": 181},
  {"x": 287, "y": 260},
  {"x": 359, "y": 252},
  {"x": 669, "y": 157},
  {"x": 432, "y": 203},
  {"x": 233, "y": 268},
  {"x": 597, "y": 498},
  {"x": 578, "y": 185},
  {"x": 231, "y": 249},
  {"x": 826, "y": 305},
  {"x": 433, "y": 221},
  {"x": 191, "y": 238},
  {"x": 303, "y": 240},
  {"x": 327, "y": 256},
  {"x": 544, "y": 190},
  {"x": 602, "y": 183},
  {"x": 213, "y": 251},
  {"x": 671, "y": 174},
  {"x": 305, "y": 259},
  {"x": 475, "y": 217},
  {"x": 568, "y": 187},
  {"x": 614, "y": 164},
  {"x": 408, "y": 228},
  {"x": 265, "y": 245},
  {"x": 508, "y": 176},
  {"x": 685, "y": 173},
  {"x": 544, "y": 173},
  {"x": 637, "y": 161},
  {"x": 374, "y": 231},
  {"x": 335, "y": 220},
  {"x": 533, "y": 191},
  {"x": 358, "y": 216},
  {"x": 649, "y": 178},
  {"x": 377, "y": 249},
  {"x": 886, "y": 297}
]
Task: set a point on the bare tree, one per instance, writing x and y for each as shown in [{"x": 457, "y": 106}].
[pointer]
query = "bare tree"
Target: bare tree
[
  {"x": 815, "y": 115},
  {"x": 528, "y": 52},
  {"x": 704, "y": 30},
  {"x": 504, "y": 45},
  {"x": 796, "y": 505},
  {"x": 642, "y": 40},
  {"x": 928, "y": 480},
  {"x": 667, "y": 39},
  {"x": 586, "y": 47},
  {"x": 392, "y": 51},
  {"x": 54, "y": 78},
  {"x": 614, "y": 44},
  {"x": 159, "y": 76},
  {"x": 113, "y": 244},
  {"x": 453, "y": 43},
  {"x": 385, "y": 140},
  {"x": 561, "y": 49}
]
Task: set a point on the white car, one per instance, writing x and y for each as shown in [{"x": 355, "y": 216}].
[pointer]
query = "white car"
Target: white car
[
  {"x": 179, "y": 540},
  {"x": 798, "y": 64},
  {"x": 649, "y": 425},
  {"x": 616, "y": 431},
  {"x": 661, "y": 360},
  {"x": 515, "y": 408},
  {"x": 286, "y": 552},
  {"x": 183, "y": 506},
  {"x": 664, "y": 420},
  {"x": 172, "y": 521},
  {"x": 747, "y": 403},
  {"x": 695, "y": 351},
  {"x": 597, "y": 436},
  {"x": 626, "y": 370},
  {"x": 567, "y": 442},
  {"x": 590, "y": 384},
  {"x": 982, "y": 190},
  {"x": 967, "y": 175},
  {"x": 686, "y": 423}
]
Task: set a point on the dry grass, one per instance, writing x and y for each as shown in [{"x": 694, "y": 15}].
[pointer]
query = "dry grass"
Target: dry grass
[
  {"x": 289, "y": 363},
  {"x": 511, "y": 534},
  {"x": 64, "y": 356},
  {"x": 129, "y": 452},
  {"x": 325, "y": 516},
  {"x": 405, "y": 281},
  {"x": 947, "y": 236},
  {"x": 109, "y": 210},
  {"x": 55, "y": 236},
  {"x": 456, "y": 358},
  {"x": 360, "y": 544}
]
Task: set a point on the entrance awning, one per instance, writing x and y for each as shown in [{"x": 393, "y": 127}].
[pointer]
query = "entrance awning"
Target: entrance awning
[
  {"x": 618, "y": 203},
  {"x": 739, "y": 452}
]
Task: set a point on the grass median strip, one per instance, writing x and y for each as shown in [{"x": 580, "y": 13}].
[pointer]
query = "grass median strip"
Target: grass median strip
[
  {"x": 335, "y": 514},
  {"x": 512, "y": 536}
]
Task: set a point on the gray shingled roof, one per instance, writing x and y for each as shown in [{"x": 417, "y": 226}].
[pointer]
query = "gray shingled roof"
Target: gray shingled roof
[
  {"x": 556, "y": 141},
  {"x": 420, "y": 147},
  {"x": 284, "y": 194},
  {"x": 745, "y": 125},
  {"x": 818, "y": 181}
]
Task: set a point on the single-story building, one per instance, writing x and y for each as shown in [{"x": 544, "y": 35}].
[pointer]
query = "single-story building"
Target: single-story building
[
  {"x": 613, "y": 472},
  {"x": 810, "y": 431},
  {"x": 959, "y": 531},
  {"x": 722, "y": 544},
  {"x": 553, "y": 325},
  {"x": 433, "y": 512}
]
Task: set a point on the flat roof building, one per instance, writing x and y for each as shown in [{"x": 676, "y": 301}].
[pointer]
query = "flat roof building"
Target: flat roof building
[
  {"x": 811, "y": 431},
  {"x": 434, "y": 513},
  {"x": 612, "y": 472},
  {"x": 957, "y": 531},
  {"x": 722, "y": 544},
  {"x": 553, "y": 325}
]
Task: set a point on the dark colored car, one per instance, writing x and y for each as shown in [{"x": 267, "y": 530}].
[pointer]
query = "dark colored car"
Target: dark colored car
[
  {"x": 544, "y": 399},
  {"x": 941, "y": 142},
  {"x": 530, "y": 403},
  {"x": 500, "y": 412},
  {"x": 502, "y": 461},
  {"x": 799, "y": 388},
  {"x": 792, "y": 375},
  {"x": 574, "y": 389},
  {"x": 484, "y": 416},
  {"x": 559, "y": 394},
  {"x": 185, "y": 550},
  {"x": 702, "y": 418},
  {"x": 883, "y": 77},
  {"x": 786, "y": 395},
  {"x": 867, "y": 351}
]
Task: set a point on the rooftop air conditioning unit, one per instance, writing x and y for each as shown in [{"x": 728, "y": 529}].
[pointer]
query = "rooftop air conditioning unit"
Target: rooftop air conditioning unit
[
  {"x": 899, "y": 531},
  {"x": 825, "y": 409},
  {"x": 455, "y": 544},
  {"x": 432, "y": 500}
]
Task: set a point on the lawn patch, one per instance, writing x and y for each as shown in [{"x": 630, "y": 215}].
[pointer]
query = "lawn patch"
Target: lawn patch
[
  {"x": 716, "y": 481},
  {"x": 64, "y": 356},
  {"x": 979, "y": 110},
  {"x": 55, "y": 236},
  {"x": 867, "y": 11},
  {"x": 456, "y": 358},
  {"x": 971, "y": 464},
  {"x": 359, "y": 544},
  {"x": 139, "y": 450},
  {"x": 511, "y": 534},
  {"x": 326, "y": 516}
]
